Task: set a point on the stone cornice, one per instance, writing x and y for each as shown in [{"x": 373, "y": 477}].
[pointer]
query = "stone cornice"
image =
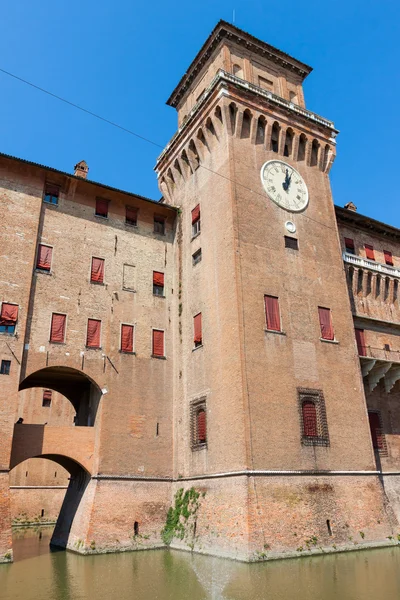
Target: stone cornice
[
  {"x": 223, "y": 80},
  {"x": 224, "y": 30},
  {"x": 350, "y": 217}
]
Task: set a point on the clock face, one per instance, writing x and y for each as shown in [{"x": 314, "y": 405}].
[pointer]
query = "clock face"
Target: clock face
[{"x": 284, "y": 185}]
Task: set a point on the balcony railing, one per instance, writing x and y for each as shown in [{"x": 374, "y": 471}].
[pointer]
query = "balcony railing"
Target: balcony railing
[
  {"x": 365, "y": 263},
  {"x": 379, "y": 353}
]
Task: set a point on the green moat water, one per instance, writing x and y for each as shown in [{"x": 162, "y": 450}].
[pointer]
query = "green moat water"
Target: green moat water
[{"x": 39, "y": 574}]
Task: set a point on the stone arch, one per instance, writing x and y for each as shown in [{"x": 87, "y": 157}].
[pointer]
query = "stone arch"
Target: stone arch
[
  {"x": 218, "y": 115},
  {"x": 232, "y": 115},
  {"x": 261, "y": 127},
  {"x": 275, "y": 132},
  {"x": 301, "y": 153},
  {"x": 185, "y": 161},
  {"x": 288, "y": 148},
  {"x": 246, "y": 124},
  {"x": 194, "y": 155},
  {"x": 210, "y": 127},
  {"x": 237, "y": 70},
  {"x": 314, "y": 153},
  {"x": 326, "y": 157},
  {"x": 80, "y": 389}
]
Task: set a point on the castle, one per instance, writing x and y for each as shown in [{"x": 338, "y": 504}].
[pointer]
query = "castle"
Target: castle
[{"x": 238, "y": 340}]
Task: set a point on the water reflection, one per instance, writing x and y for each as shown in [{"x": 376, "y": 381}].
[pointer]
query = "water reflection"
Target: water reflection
[{"x": 168, "y": 575}]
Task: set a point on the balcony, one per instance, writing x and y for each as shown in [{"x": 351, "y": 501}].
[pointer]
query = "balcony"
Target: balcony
[
  {"x": 364, "y": 263},
  {"x": 378, "y": 364}
]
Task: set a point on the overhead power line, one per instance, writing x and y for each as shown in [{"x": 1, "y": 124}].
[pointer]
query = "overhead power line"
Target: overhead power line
[{"x": 141, "y": 137}]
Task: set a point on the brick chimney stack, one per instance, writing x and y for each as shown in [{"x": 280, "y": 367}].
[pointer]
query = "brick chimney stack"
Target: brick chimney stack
[
  {"x": 351, "y": 206},
  {"x": 81, "y": 169}
]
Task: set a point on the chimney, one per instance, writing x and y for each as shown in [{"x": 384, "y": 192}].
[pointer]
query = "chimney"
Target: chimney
[
  {"x": 81, "y": 169},
  {"x": 351, "y": 206}
]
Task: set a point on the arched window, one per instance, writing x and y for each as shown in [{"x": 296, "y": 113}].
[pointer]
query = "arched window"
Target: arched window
[
  {"x": 260, "y": 135},
  {"x": 232, "y": 115},
  {"x": 314, "y": 153},
  {"x": 288, "y": 142},
  {"x": 237, "y": 71},
  {"x": 302, "y": 147},
  {"x": 194, "y": 155},
  {"x": 275, "y": 137},
  {"x": 246, "y": 124},
  {"x": 218, "y": 114},
  {"x": 309, "y": 413},
  {"x": 293, "y": 97},
  {"x": 210, "y": 126}
]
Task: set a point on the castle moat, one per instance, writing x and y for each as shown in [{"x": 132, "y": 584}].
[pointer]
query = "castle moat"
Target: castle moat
[{"x": 39, "y": 573}]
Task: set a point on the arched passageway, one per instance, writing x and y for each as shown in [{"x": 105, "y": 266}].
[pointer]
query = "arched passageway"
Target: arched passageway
[{"x": 83, "y": 393}]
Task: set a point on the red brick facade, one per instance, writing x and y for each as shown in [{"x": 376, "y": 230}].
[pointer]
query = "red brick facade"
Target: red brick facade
[{"x": 216, "y": 402}]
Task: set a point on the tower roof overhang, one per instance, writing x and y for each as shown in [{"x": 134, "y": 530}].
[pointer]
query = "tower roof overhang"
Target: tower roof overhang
[{"x": 226, "y": 31}]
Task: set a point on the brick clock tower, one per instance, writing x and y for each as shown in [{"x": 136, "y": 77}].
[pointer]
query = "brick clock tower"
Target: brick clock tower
[{"x": 269, "y": 412}]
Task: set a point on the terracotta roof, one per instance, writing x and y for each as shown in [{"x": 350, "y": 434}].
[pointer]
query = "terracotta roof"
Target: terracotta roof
[
  {"x": 363, "y": 222},
  {"x": 103, "y": 185},
  {"x": 226, "y": 30}
]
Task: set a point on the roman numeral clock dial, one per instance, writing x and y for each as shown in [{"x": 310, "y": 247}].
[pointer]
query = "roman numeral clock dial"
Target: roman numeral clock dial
[{"x": 284, "y": 185}]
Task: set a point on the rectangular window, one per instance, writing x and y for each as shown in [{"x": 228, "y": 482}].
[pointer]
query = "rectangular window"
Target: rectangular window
[
  {"x": 349, "y": 245},
  {"x": 51, "y": 193},
  {"x": 158, "y": 343},
  {"x": 131, "y": 216},
  {"x": 196, "y": 220},
  {"x": 57, "y": 331},
  {"x": 93, "y": 333},
  {"x": 377, "y": 435},
  {"x": 360, "y": 339},
  {"x": 265, "y": 84},
  {"x": 291, "y": 242},
  {"x": 101, "y": 209},
  {"x": 5, "y": 367},
  {"x": 198, "y": 424},
  {"x": 158, "y": 283},
  {"x": 198, "y": 334},
  {"x": 8, "y": 317},
  {"x": 196, "y": 257},
  {"x": 325, "y": 323},
  {"x": 126, "y": 338},
  {"x": 272, "y": 314},
  {"x": 313, "y": 422},
  {"x": 159, "y": 225},
  {"x": 388, "y": 257},
  {"x": 369, "y": 251},
  {"x": 44, "y": 255},
  {"x": 97, "y": 270},
  {"x": 46, "y": 401},
  {"x": 129, "y": 278}
]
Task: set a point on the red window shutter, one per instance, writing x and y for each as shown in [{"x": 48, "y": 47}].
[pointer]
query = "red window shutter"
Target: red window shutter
[
  {"x": 325, "y": 323},
  {"x": 52, "y": 190},
  {"x": 44, "y": 257},
  {"x": 101, "y": 207},
  {"x": 93, "y": 333},
  {"x": 158, "y": 342},
  {"x": 360, "y": 339},
  {"x": 309, "y": 419},
  {"x": 97, "y": 273},
  {"x": 127, "y": 338},
  {"x": 47, "y": 394},
  {"x": 376, "y": 431},
  {"x": 196, "y": 214},
  {"x": 9, "y": 314},
  {"x": 272, "y": 313},
  {"x": 349, "y": 243},
  {"x": 57, "y": 332},
  {"x": 131, "y": 215},
  {"x": 198, "y": 335},
  {"x": 158, "y": 278},
  {"x": 369, "y": 251},
  {"x": 201, "y": 426},
  {"x": 388, "y": 257}
]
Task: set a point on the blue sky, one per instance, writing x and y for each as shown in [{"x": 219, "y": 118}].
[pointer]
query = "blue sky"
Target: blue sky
[{"x": 122, "y": 59}]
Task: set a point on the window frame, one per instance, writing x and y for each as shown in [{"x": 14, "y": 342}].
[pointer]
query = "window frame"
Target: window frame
[
  {"x": 317, "y": 397},
  {"x": 104, "y": 271},
  {"x": 157, "y": 287},
  {"x": 267, "y": 328},
  {"x": 322, "y": 338},
  {"x": 129, "y": 223},
  {"x": 369, "y": 249},
  {"x": 196, "y": 261},
  {"x": 40, "y": 269},
  {"x": 48, "y": 184},
  {"x": 47, "y": 400},
  {"x": 386, "y": 254},
  {"x": 65, "y": 327},
  {"x": 197, "y": 405},
  {"x": 14, "y": 327},
  {"x": 95, "y": 207},
  {"x": 99, "y": 347},
  {"x": 5, "y": 366},
  {"x": 163, "y": 357},
  {"x": 133, "y": 325},
  {"x": 349, "y": 248},
  {"x": 292, "y": 243},
  {"x": 158, "y": 219}
]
